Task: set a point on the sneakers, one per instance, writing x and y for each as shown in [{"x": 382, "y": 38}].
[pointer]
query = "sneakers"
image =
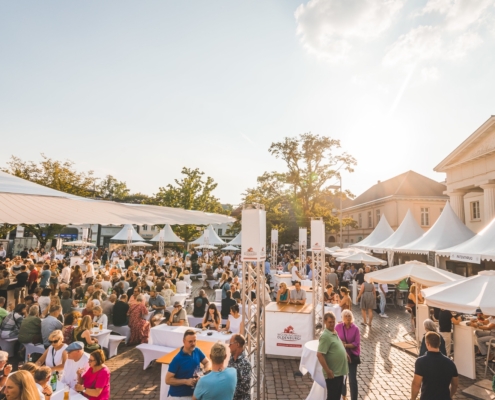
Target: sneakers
[{"x": 383, "y": 315}]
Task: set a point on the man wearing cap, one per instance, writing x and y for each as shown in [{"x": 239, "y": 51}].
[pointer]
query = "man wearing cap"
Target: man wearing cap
[
  {"x": 76, "y": 358},
  {"x": 178, "y": 317}
]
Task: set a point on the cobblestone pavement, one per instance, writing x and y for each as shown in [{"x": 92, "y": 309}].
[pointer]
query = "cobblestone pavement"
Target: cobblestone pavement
[{"x": 385, "y": 373}]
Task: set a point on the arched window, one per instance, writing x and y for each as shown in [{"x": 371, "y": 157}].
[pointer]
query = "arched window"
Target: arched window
[{"x": 331, "y": 239}]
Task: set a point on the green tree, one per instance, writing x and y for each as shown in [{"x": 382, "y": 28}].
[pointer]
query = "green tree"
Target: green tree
[
  {"x": 192, "y": 192},
  {"x": 5, "y": 229},
  {"x": 45, "y": 233},
  {"x": 112, "y": 189}
]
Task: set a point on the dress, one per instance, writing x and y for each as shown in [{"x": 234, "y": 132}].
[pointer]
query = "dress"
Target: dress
[
  {"x": 140, "y": 328},
  {"x": 368, "y": 300}
]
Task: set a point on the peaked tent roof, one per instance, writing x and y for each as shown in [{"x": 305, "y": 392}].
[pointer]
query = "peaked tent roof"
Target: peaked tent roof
[
  {"x": 448, "y": 231},
  {"x": 483, "y": 244},
  {"x": 409, "y": 183},
  {"x": 237, "y": 240},
  {"x": 408, "y": 231},
  {"x": 168, "y": 236},
  {"x": 213, "y": 238},
  {"x": 122, "y": 235},
  {"x": 361, "y": 258},
  {"x": 379, "y": 234}
]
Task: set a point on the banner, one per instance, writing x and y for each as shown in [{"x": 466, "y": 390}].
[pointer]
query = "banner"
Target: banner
[
  {"x": 303, "y": 236},
  {"x": 253, "y": 235},
  {"x": 470, "y": 258},
  {"x": 317, "y": 235},
  {"x": 274, "y": 236}
]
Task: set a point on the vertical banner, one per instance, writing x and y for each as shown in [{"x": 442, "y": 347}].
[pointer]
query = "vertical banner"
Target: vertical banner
[
  {"x": 274, "y": 236},
  {"x": 303, "y": 236},
  {"x": 317, "y": 235},
  {"x": 253, "y": 235},
  {"x": 85, "y": 234}
]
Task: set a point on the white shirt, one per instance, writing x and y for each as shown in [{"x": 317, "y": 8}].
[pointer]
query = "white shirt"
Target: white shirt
[
  {"x": 105, "y": 285},
  {"x": 181, "y": 286},
  {"x": 294, "y": 274},
  {"x": 226, "y": 260},
  {"x": 43, "y": 302},
  {"x": 384, "y": 287},
  {"x": 70, "y": 370},
  {"x": 102, "y": 319},
  {"x": 235, "y": 324},
  {"x": 65, "y": 275},
  {"x": 90, "y": 273}
]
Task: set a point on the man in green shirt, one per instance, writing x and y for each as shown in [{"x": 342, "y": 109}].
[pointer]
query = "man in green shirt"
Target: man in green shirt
[
  {"x": 333, "y": 358},
  {"x": 3, "y": 311}
]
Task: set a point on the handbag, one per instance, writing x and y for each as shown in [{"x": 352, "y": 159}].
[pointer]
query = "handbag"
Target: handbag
[{"x": 354, "y": 358}]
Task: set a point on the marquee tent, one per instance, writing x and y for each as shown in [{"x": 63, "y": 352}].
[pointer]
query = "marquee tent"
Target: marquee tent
[
  {"x": 25, "y": 202},
  {"x": 448, "y": 231},
  {"x": 141, "y": 244},
  {"x": 169, "y": 236},
  {"x": 231, "y": 248},
  {"x": 237, "y": 241},
  {"x": 213, "y": 238},
  {"x": 361, "y": 258},
  {"x": 124, "y": 232},
  {"x": 479, "y": 247},
  {"x": 379, "y": 234},
  {"x": 346, "y": 252},
  {"x": 79, "y": 243}
]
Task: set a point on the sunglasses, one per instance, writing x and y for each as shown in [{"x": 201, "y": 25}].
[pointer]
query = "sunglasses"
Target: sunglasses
[{"x": 54, "y": 341}]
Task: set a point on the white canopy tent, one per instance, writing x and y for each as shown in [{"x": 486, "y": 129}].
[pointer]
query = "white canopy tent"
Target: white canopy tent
[
  {"x": 237, "y": 241},
  {"x": 213, "y": 238},
  {"x": 447, "y": 231},
  {"x": 348, "y": 252},
  {"x": 141, "y": 244},
  {"x": 380, "y": 233},
  {"x": 331, "y": 250},
  {"x": 124, "y": 232},
  {"x": 479, "y": 247},
  {"x": 361, "y": 258},
  {"x": 79, "y": 243},
  {"x": 207, "y": 246},
  {"x": 25, "y": 202},
  {"x": 169, "y": 236},
  {"x": 231, "y": 248}
]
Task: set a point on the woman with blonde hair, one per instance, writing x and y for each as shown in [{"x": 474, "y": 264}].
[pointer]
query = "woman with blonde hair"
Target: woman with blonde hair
[
  {"x": 83, "y": 334},
  {"x": 345, "y": 303},
  {"x": 350, "y": 336},
  {"x": 54, "y": 356},
  {"x": 20, "y": 385},
  {"x": 283, "y": 293}
]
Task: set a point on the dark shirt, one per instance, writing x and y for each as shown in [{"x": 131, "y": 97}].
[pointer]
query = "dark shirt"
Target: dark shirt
[
  {"x": 200, "y": 304},
  {"x": 423, "y": 349},
  {"x": 445, "y": 321},
  {"x": 120, "y": 313},
  {"x": 21, "y": 278},
  {"x": 243, "y": 368},
  {"x": 437, "y": 371},
  {"x": 226, "y": 304}
]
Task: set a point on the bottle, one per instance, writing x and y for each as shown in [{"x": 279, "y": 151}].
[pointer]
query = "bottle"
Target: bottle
[
  {"x": 29, "y": 358},
  {"x": 66, "y": 392},
  {"x": 53, "y": 382},
  {"x": 110, "y": 290}
]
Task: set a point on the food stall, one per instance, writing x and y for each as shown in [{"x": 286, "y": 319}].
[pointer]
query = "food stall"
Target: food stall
[{"x": 279, "y": 278}]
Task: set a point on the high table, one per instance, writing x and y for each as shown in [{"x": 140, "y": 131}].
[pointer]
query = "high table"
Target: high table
[
  {"x": 464, "y": 341},
  {"x": 308, "y": 290},
  {"x": 204, "y": 346},
  {"x": 103, "y": 336},
  {"x": 181, "y": 297},
  {"x": 172, "y": 336},
  {"x": 59, "y": 393},
  {"x": 336, "y": 309},
  {"x": 287, "y": 328},
  {"x": 309, "y": 363},
  {"x": 279, "y": 278}
]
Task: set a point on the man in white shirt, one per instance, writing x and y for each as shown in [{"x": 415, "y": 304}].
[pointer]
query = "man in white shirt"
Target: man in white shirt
[
  {"x": 65, "y": 274},
  {"x": 90, "y": 273},
  {"x": 76, "y": 358},
  {"x": 3, "y": 253},
  {"x": 383, "y": 290},
  {"x": 105, "y": 284},
  {"x": 296, "y": 276},
  {"x": 181, "y": 285},
  {"x": 226, "y": 260}
]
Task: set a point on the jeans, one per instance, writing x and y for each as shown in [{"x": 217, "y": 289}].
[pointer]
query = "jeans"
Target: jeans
[
  {"x": 334, "y": 387},
  {"x": 353, "y": 385},
  {"x": 383, "y": 302}
]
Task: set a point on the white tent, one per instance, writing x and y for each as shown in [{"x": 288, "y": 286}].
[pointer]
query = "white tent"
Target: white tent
[
  {"x": 79, "y": 243},
  {"x": 348, "y": 252},
  {"x": 361, "y": 258},
  {"x": 231, "y": 248},
  {"x": 141, "y": 244},
  {"x": 479, "y": 247},
  {"x": 213, "y": 238},
  {"x": 466, "y": 295},
  {"x": 237, "y": 241},
  {"x": 419, "y": 272},
  {"x": 448, "y": 231},
  {"x": 22, "y": 201},
  {"x": 168, "y": 236},
  {"x": 408, "y": 231},
  {"x": 379, "y": 234},
  {"x": 207, "y": 246},
  {"x": 331, "y": 250},
  {"x": 123, "y": 234}
]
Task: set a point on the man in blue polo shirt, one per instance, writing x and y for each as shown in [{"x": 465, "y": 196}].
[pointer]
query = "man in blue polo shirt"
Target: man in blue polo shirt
[{"x": 181, "y": 371}]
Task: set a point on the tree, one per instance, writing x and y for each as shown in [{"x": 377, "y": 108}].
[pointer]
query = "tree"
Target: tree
[
  {"x": 45, "y": 233},
  {"x": 112, "y": 189},
  {"x": 5, "y": 229},
  {"x": 193, "y": 192}
]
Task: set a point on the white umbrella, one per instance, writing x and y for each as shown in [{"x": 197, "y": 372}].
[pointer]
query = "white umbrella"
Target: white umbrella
[
  {"x": 465, "y": 295},
  {"x": 233, "y": 248},
  {"x": 206, "y": 246},
  {"x": 419, "y": 272},
  {"x": 349, "y": 252},
  {"x": 361, "y": 258},
  {"x": 328, "y": 250},
  {"x": 79, "y": 243},
  {"x": 141, "y": 244}
]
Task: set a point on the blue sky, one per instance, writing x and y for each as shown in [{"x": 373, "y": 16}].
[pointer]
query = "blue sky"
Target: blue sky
[{"x": 140, "y": 89}]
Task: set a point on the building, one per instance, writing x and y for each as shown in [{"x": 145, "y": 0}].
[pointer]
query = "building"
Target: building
[
  {"x": 392, "y": 198},
  {"x": 470, "y": 171}
]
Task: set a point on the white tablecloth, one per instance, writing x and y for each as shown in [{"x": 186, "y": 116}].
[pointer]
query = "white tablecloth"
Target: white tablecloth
[
  {"x": 172, "y": 336},
  {"x": 179, "y": 297},
  {"x": 59, "y": 393},
  {"x": 309, "y": 363},
  {"x": 336, "y": 309},
  {"x": 102, "y": 336},
  {"x": 278, "y": 279}
]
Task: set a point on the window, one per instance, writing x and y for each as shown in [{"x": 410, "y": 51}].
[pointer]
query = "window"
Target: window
[
  {"x": 425, "y": 216},
  {"x": 377, "y": 216},
  {"x": 346, "y": 240},
  {"x": 220, "y": 232},
  {"x": 352, "y": 240},
  {"x": 475, "y": 210},
  {"x": 360, "y": 221},
  {"x": 145, "y": 227},
  {"x": 370, "y": 220}
]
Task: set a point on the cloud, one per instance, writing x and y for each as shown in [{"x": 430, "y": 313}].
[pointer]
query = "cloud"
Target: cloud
[{"x": 330, "y": 29}]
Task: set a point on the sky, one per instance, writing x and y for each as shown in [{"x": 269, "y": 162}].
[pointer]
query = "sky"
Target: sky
[{"x": 141, "y": 89}]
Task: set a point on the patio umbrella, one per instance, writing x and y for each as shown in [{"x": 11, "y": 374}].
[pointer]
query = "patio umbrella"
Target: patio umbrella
[
  {"x": 466, "y": 295},
  {"x": 79, "y": 243},
  {"x": 419, "y": 272},
  {"x": 361, "y": 258}
]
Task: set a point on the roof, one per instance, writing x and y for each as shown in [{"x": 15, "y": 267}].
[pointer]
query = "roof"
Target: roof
[
  {"x": 409, "y": 184},
  {"x": 379, "y": 234}
]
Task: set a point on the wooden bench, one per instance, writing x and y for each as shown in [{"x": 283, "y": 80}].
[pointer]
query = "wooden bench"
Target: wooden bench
[{"x": 152, "y": 352}]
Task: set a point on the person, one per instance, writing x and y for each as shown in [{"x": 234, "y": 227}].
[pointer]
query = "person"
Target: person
[
  {"x": 12, "y": 322},
  {"x": 333, "y": 278},
  {"x": 434, "y": 374},
  {"x": 178, "y": 316},
  {"x": 297, "y": 296},
  {"x": 346, "y": 302},
  {"x": 220, "y": 383},
  {"x": 99, "y": 318},
  {"x": 181, "y": 371},
  {"x": 240, "y": 362},
  {"x": 20, "y": 286},
  {"x": 45, "y": 277},
  {"x": 328, "y": 294},
  {"x": 33, "y": 278},
  {"x": 333, "y": 358},
  {"x": 66, "y": 302},
  {"x": 51, "y": 323},
  {"x": 212, "y": 319},
  {"x": 94, "y": 382},
  {"x": 167, "y": 294},
  {"x": 107, "y": 306},
  {"x": 200, "y": 303},
  {"x": 4, "y": 283},
  {"x": 42, "y": 378},
  {"x": 296, "y": 276},
  {"x": 44, "y": 300},
  {"x": 3, "y": 311},
  {"x": 351, "y": 338},
  {"x": 382, "y": 291},
  {"x": 360, "y": 276},
  {"x": 5, "y": 368},
  {"x": 140, "y": 328},
  {"x": 156, "y": 302},
  {"x": 55, "y": 355},
  {"x": 68, "y": 328},
  {"x": 226, "y": 287},
  {"x": 445, "y": 321},
  {"x": 76, "y": 359},
  {"x": 226, "y": 304},
  {"x": 120, "y": 310},
  {"x": 235, "y": 324},
  {"x": 485, "y": 330},
  {"x": 367, "y": 294},
  {"x": 430, "y": 326},
  {"x": 83, "y": 334},
  {"x": 181, "y": 285},
  {"x": 30, "y": 330},
  {"x": 283, "y": 295},
  {"x": 65, "y": 274},
  {"x": 21, "y": 386}
]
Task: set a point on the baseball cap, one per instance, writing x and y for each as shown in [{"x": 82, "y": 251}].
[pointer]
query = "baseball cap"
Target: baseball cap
[{"x": 75, "y": 346}]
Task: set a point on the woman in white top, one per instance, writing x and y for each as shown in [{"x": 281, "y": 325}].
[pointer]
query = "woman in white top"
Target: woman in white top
[
  {"x": 55, "y": 355},
  {"x": 44, "y": 300},
  {"x": 234, "y": 323},
  {"x": 99, "y": 317}
]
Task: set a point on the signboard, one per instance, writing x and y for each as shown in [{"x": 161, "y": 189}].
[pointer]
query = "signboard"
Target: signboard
[
  {"x": 303, "y": 236},
  {"x": 470, "y": 258},
  {"x": 317, "y": 235},
  {"x": 274, "y": 236},
  {"x": 431, "y": 258},
  {"x": 253, "y": 246}
]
